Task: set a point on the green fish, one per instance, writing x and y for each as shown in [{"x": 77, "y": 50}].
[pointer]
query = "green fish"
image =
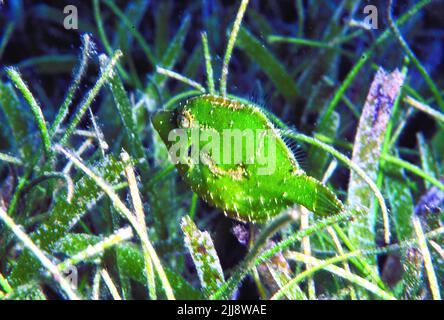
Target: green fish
[{"x": 233, "y": 157}]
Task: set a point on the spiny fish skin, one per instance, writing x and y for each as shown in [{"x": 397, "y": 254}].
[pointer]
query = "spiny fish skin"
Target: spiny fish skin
[{"x": 241, "y": 189}]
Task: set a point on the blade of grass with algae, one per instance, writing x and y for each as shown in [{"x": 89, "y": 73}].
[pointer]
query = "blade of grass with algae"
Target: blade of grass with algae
[{"x": 367, "y": 151}]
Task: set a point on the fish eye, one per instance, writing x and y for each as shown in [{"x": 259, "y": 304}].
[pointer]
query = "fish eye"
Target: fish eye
[{"x": 184, "y": 120}]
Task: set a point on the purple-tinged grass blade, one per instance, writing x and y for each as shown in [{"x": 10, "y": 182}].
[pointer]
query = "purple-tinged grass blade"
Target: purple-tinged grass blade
[{"x": 367, "y": 151}]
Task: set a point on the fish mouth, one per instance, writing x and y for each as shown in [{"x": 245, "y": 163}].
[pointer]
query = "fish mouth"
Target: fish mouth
[{"x": 163, "y": 122}]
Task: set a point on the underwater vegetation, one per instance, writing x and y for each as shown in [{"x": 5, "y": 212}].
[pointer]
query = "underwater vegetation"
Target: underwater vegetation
[{"x": 221, "y": 149}]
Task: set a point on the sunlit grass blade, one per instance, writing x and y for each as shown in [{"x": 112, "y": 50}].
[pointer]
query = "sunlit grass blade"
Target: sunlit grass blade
[
  {"x": 80, "y": 248},
  {"x": 15, "y": 76},
  {"x": 300, "y": 41},
  {"x": 78, "y": 74},
  {"x": 4, "y": 284},
  {"x": 90, "y": 96},
  {"x": 425, "y": 108},
  {"x": 208, "y": 66},
  {"x": 140, "y": 216},
  {"x": 340, "y": 272},
  {"x": 433, "y": 281},
  {"x": 110, "y": 284},
  {"x": 16, "y": 118},
  {"x": 306, "y": 248},
  {"x": 230, "y": 45},
  {"x": 179, "y": 77}
]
